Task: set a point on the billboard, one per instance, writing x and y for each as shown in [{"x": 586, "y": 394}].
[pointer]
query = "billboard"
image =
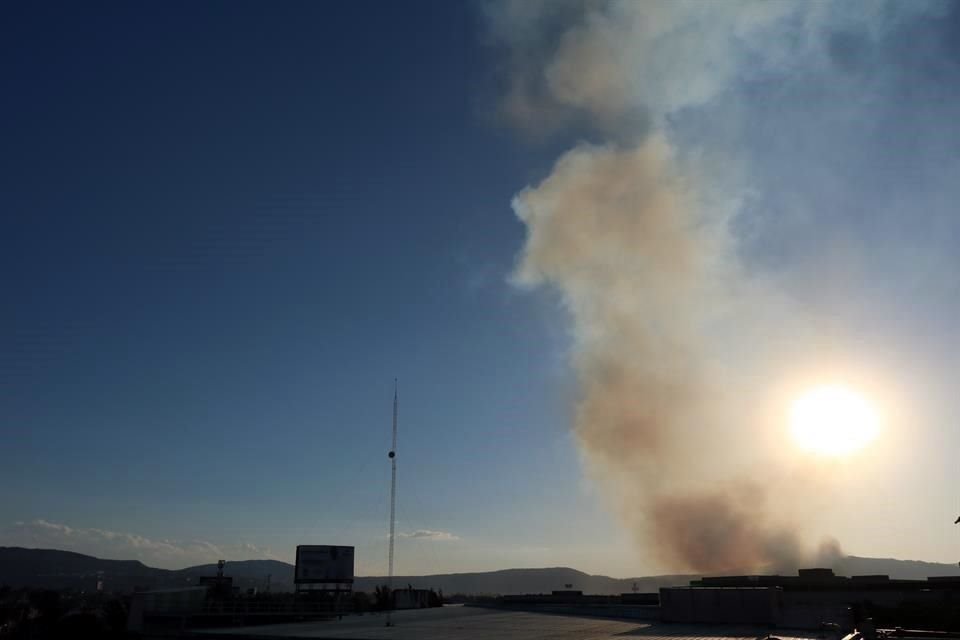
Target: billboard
[{"x": 323, "y": 563}]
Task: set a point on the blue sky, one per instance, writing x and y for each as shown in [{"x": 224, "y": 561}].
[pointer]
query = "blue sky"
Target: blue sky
[
  {"x": 227, "y": 227},
  {"x": 227, "y": 230}
]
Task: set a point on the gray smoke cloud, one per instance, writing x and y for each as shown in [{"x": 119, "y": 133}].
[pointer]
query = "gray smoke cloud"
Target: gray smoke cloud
[{"x": 636, "y": 234}]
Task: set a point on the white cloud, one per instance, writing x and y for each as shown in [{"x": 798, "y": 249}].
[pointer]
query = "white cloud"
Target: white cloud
[
  {"x": 102, "y": 543},
  {"x": 427, "y": 534}
]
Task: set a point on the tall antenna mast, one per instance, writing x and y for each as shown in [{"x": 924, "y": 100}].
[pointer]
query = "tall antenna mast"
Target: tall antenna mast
[{"x": 393, "y": 503}]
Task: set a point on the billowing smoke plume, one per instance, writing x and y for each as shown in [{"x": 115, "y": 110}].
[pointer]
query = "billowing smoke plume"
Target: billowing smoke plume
[
  {"x": 643, "y": 270},
  {"x": 635, "y": 234}
]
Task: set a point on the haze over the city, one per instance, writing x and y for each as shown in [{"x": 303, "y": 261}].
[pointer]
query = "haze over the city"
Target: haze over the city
[{"x": 667, "y": 286}]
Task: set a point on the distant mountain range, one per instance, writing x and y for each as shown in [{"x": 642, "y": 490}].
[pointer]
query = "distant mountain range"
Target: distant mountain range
[
  {"x": 527, "y": 581},
  {"x": 55, "y": 569},
  {"x": 899, "y": 569}
]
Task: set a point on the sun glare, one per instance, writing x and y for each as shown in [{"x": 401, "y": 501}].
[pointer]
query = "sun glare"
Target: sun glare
[{"x": 833, "y": 421}]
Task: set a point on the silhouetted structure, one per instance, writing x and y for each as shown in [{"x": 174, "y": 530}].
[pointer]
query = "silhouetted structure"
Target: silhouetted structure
[{"x": 811, "y": 598}]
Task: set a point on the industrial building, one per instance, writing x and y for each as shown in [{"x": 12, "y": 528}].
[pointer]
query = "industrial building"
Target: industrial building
[{"x": 812, "y": 598}]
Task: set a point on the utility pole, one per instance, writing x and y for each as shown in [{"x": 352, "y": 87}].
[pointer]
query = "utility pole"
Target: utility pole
[{"x": 393, "y": 506}]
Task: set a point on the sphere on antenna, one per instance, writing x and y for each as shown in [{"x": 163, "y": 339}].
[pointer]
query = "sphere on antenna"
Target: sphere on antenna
[{"x": 392, "y": 454}]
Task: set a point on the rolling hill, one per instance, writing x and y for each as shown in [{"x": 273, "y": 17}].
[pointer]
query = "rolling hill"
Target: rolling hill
[
  {"x": 56, "y": 569},
  {"x": 542, "y": 580}
]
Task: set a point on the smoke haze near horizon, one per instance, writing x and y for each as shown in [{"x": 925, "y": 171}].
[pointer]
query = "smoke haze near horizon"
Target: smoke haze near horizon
[{"x": 640, "y": 234}]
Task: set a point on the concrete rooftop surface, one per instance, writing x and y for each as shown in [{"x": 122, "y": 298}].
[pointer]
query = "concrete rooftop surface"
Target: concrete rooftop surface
[{"x": 476, "y": 623}]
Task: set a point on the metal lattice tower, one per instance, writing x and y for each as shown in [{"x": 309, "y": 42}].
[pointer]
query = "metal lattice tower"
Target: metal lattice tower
[{"x": 393, "y": 502}]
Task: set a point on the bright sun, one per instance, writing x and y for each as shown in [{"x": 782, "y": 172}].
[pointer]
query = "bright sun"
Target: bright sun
[{"x": 833, "y": 421}]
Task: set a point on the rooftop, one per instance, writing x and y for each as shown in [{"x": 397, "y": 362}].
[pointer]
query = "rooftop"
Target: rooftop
[{"x": 476, "y": 623}]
